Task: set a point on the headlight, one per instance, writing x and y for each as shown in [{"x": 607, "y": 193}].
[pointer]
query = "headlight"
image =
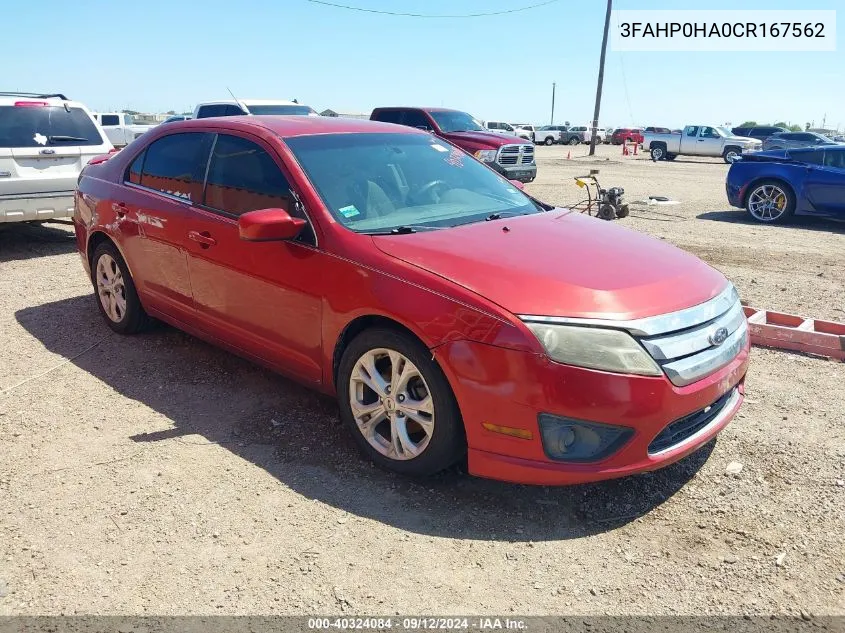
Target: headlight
[
  {"x": 486, "y": 155},
  {"x": 595, "y": 348}
]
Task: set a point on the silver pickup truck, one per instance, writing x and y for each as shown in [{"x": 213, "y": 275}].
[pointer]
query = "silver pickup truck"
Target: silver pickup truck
[{"x": 699, "y": 140}]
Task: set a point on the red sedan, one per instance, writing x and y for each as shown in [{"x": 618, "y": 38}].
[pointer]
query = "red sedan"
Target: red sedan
[
  {"x": 450, "y": 313},
  {"x": 627, "y": 135}
]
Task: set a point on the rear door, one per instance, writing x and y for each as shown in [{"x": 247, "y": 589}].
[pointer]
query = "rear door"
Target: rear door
[
  {"x": 689, "y": 140},
  {"x": 160, "y": 185},
  {"x": 44, "y": 146},
  {"x": 260, "y": 297}
]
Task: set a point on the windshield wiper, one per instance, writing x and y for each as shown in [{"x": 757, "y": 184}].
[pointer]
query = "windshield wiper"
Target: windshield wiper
[
  {"x": 405, "y": 229},
  {"x": 69, "y": 139},
  {"x": 501, "y": 214}
]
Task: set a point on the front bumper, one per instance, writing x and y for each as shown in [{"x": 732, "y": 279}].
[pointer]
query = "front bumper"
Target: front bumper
[
  {"x": 736, "y": 193},
  {"x": 511, "y": 388},
  {"x": 36, "y": 206},
  {"x": 522, "y": 173}
]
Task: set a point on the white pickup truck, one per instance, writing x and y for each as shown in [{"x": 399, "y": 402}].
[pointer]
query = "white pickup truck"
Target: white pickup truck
[
  {"x": 699, "y": 140},
  {"x": 120, "y": 127}
]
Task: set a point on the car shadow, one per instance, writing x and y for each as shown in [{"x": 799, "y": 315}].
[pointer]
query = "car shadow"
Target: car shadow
[
  {"x": 737, "y": 216},
  {"x": 294, "y": 434},
  {"x": 27, "y": 240}
]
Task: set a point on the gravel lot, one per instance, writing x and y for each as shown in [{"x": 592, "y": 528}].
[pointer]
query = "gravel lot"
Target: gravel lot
[{"x": 157, "y": 474}]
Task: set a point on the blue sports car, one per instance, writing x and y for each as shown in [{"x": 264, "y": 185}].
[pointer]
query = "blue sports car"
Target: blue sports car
[{"x": 775, "y": 184}]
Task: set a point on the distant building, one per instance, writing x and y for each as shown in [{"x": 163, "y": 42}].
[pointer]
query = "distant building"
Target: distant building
[{"x": 344, "y": 115}]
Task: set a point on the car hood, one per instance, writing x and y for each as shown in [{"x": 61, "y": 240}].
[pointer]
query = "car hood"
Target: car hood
[
  {"x": 489, "y": 138},
  {"x": 743, "y": 139},
  {"x": 561, "y": 263}
]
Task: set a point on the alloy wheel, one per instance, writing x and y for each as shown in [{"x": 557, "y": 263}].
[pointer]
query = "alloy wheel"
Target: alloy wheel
[
  {"x": 111, "y": 288},
  {"x": 391, "y": 404},
  {"x": 767, "y": 203}
]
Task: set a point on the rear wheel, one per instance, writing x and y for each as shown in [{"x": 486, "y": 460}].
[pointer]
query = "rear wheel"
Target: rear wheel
[
  {"x": 117, "y": 298},
  {"x": 658, "y": 152},
  {"x": 398, "y": 404},
  {"x": 770, "y": 201},
  {"x": 549, "y": 140}
]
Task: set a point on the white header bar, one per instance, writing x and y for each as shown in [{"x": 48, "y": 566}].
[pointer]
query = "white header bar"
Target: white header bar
[{"x": 723, "y": 30}]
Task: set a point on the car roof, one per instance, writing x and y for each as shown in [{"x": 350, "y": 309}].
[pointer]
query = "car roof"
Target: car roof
[
  {"x": 423, "y": 108},
  {"x": 291, "y": 126},
  {"x": 249, "y": 102},
  {"x": 52, "y": 101}
]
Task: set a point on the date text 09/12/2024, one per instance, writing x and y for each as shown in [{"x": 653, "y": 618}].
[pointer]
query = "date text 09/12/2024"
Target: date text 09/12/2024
[{"x": 417, "y": 624}]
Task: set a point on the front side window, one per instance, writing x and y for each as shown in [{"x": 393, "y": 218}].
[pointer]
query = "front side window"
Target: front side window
[
  {"x": 174, "y": 165},
  {"x": 243, "y": 177},
  {"x": 415, "y": 118},
  {"x": 383, "y": 183},
  {"x": 46, "y": 126},
  {"x": 813, "y": 157},
  {"x": 456, "y": 122},
  {"x": 110, "y": 119},
  {"x": 834, "y": 158}
]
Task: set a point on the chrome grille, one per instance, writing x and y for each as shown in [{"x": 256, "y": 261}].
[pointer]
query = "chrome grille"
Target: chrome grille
[{"x": 516, "y": 155}]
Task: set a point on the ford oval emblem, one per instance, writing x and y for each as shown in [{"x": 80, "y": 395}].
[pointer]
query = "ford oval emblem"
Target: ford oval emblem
[{"x": 719, "y": 336}]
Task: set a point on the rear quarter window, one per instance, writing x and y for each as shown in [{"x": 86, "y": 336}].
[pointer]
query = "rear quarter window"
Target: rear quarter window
[{"x": 47, "y": 126}]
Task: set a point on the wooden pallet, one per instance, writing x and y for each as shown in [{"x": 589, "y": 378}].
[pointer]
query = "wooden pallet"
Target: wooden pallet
[{"x": 788, "y": 331}]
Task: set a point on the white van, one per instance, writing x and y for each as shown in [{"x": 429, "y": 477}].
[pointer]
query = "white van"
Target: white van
[{"x": 251, "y": 106}]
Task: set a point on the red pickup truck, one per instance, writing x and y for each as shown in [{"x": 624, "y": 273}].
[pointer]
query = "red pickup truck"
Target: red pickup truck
[{"x": 511, "y": 156}]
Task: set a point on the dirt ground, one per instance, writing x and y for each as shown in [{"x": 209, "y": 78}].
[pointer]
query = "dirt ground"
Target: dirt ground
[{"x": 156, "y": 474}]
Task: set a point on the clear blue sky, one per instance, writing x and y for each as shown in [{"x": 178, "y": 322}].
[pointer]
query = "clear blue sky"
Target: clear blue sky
[{"x": 157, "y": 55}]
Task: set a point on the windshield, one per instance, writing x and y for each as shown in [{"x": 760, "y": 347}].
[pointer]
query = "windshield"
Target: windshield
[
  {"x": 456, "y": 122},
  {"x": 723, "y": 131},
  {"x": 40, "y": 126},
  {"x": 281, "y": 109},
  {"x": 379, "y": 183}
]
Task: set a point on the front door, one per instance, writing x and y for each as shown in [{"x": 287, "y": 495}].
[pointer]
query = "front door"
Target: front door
[
  {"x": 709, "y": 142},
  {"x": 261, "y": 297},
  {"x": 825, "y": 184}
]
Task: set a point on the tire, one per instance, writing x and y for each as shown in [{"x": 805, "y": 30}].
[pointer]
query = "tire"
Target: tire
[
  {"x": 438, "y": 449},
  {"x": 114, "y": 287},
  {"x": 574, "y": 141},
  {"x": 658, "y": 152},
  {"x": 731, "y": 154},
  {"x": 549, "y": 140},
  {"x": 623, "y": 212},
  {"x": 606, "y": 212},
  {"x": 770, "y": 201}
]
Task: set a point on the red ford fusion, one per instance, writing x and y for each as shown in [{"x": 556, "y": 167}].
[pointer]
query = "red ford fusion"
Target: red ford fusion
[{"x": 452, "y": 315}]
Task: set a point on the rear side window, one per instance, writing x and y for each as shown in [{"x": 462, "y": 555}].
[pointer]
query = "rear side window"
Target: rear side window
[
  {"x": 218, "y": 109},
  {"x": 175, "y": 164},
  {"x": 388, "y": 116},
  {"x": 46, "y": 126},
  {"x": 243, "y": 177},
  {"x": 133, "y": 174},
  {"x": 109, "y": 119}
]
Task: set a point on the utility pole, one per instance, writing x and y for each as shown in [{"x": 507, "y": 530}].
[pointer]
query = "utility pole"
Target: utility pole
[
  {"x": 553, "y": 103},
  {"x": 601, "y": 78}
]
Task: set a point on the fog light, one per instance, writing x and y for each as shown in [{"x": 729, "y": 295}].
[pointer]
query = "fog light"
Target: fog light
[{"x": 569, "y": 440}]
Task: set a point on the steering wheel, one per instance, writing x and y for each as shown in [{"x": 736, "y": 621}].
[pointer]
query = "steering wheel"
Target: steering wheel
[{"x": 427, "y": 190}]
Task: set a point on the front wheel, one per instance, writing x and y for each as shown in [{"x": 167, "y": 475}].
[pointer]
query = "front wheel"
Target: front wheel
[
  {"x": 398, "y": 404},
  {"x": 731, "y": 155},
  {"x": 770, "y": 202}
]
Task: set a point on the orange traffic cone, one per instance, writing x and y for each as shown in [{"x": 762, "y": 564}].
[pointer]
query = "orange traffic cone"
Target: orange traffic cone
[
  {"x": 569, "y": 155},
  {"x": 636, "y": 146}
]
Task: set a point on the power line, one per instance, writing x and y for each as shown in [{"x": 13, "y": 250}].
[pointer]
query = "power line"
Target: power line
[{"x": 430, "y": 15}]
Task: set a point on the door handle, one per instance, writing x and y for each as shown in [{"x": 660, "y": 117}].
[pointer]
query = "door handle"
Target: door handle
[{"x": 203, "y": 238}]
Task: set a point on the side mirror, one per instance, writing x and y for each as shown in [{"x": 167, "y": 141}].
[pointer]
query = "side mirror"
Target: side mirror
[
  {"x": 269, "y": 225},
  {"x": 517, "y": 184}
]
